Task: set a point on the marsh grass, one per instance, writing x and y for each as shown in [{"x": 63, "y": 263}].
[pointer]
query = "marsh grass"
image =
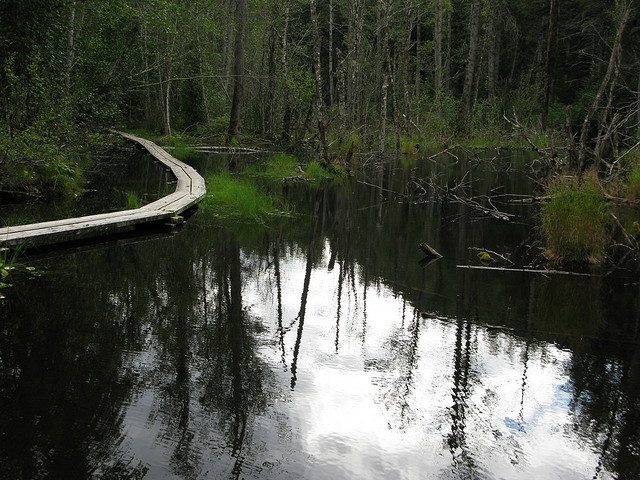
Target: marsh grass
[
  {"x": 315, "y": 172},
  {"x": 574, "y": 220},
  {"x": 185, "y": 153},
  {"x": 133, "y": 200},
  {"x": 281, "y": 166},
  {"x": 9, "y": 264},
  {"x": 240, "y": 200}
]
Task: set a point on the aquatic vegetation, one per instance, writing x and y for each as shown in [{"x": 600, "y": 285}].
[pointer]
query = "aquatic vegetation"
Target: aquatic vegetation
[
  {"x": 574, "y": 220},
  {"x": 9, "y": 264},
  {"x": 316, "y": 172},
  {"x": 133, "y": 200},
  {"x": 281, "y": 166},
  {"x": 239, "y": 199},
  {"x": 184, "y": 153}
]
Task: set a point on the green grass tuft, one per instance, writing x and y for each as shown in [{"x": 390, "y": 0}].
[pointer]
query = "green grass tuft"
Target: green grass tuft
[
  {"x": 574, "y": 220},
  {"x": 281, "y": 166},
  {"x": 317, "y": 173},
  {"x": 240, "y": 200},
  {"x": 185, "y": 153},
  {"x": 133, "y": 201}
]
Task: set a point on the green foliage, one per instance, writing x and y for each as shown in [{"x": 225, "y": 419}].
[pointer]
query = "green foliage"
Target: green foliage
[
  {"x": 9, "y": 264},
  {"x": 574, "y": 220},
  {"x": 409, "y": 145},
  {"x": 185, "y": 153},
  {"x": 176, "y": 140},
  {"x": 133, "y": 201},
  {"x": 220, "y": 124},
  {"x": 341, "y": 146},
  {"x": 316, "y": 172},
  {"x": 281, "y": 166},
  {"x": 633, "y": 177},
  {"x": 45, "y": 159},
  {"x": 239, "y": 200}
]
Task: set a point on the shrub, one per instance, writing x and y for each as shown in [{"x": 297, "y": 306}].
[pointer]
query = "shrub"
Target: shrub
[{"x": 574, "y": 220}]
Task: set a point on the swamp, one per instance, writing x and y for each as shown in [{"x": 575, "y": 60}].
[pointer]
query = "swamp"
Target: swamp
[{"x": 417, "y": 256}]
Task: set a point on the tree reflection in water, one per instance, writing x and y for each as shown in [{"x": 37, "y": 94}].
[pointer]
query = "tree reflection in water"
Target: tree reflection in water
[{"x": 319, "y": 349}]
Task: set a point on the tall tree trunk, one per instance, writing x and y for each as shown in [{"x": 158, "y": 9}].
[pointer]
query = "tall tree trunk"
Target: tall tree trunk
[
  {"x": 238, "y": 70},
  {"x": 71, "y": 48},
  {"x": 272, "y": 79},
  {"x": 549, "y": 59},
  {"x": 638, "y": 106},
  {"x": 493, "y": 62},
  {"x": 514, "y": 62},
  {"x": 383, "y": 47},
  {"x": 474, "y": 30},
  {"x": 331, "y": 75},
  {"x": 438, "y": 48},
  {"x": 320, "y": 113},
  {"x": 167, "y": 104},
  {"x": 404, "y": 62},
  {"x": 616, "y": 51},
  {"x": 447, "y": 61},
  {"x": 418, "y": 61},
  {"x": 286, "y": 119}
]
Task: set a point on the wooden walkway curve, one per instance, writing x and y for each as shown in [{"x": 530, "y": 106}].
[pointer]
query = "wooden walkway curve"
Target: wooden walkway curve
[{"x": 190, "y": 190}]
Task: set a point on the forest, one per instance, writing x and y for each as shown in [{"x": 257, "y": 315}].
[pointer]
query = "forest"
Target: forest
[{"x": 383, "y": 75}]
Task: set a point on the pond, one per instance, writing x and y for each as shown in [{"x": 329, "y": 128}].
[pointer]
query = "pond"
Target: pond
[{"x": 321, "y": 348}]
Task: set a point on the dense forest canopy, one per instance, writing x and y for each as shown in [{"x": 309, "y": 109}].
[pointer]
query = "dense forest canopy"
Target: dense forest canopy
[{"x": 389, "y": 71}]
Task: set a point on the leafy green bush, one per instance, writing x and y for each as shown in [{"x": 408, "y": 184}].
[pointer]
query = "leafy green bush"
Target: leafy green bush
[{"x": 574, "y": 220}]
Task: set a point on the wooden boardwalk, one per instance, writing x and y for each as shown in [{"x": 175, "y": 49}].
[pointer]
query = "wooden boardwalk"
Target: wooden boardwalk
[{"x": 190, "y": 190}]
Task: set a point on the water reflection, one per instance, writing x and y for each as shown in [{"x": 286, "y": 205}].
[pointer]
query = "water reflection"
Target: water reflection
[{"x": 320, "y": 350}]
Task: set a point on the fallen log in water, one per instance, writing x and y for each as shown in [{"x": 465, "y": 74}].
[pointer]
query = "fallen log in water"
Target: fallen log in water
[{"x": 526, "y": 270}]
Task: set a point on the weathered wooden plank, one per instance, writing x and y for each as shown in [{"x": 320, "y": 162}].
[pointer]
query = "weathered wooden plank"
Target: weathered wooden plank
[{"x": 190, "y": 189}]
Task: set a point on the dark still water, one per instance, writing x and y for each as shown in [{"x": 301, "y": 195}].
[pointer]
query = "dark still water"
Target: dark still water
[
  {"x": 123, "y": 178},
  {"x": 322, "y": 349}
]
